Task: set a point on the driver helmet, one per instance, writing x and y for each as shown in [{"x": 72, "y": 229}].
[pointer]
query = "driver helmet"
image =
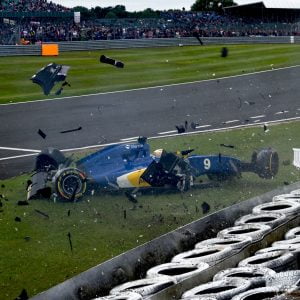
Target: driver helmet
[{"x": 157, "y": 153}]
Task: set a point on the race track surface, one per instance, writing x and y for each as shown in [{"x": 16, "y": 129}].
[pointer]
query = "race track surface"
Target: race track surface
[{"x": 107, "y": 118}]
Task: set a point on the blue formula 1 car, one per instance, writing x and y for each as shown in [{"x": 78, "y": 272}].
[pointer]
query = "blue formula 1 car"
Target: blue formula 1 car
[{"x": 132, "y": 166}]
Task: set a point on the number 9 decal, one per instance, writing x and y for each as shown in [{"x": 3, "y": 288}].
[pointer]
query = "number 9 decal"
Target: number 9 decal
[{"x": 206, "y": 163}]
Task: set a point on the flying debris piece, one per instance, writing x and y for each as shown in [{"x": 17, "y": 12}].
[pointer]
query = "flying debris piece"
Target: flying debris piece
[
  {"x": 42, "y": 213},
  {"x": 27, "y": 238},
  {"x": 69, "y": 213},
  {"x": 71, "y": 130},
  {"x": 132, "y": 198},
  {"x": 266, "y": 129},
  {"x": 180, "y": 128},
  {"x": 227, "y": 146},
  {"x": 23, "y": 295},
  {"x": 124, "y": 213},
  {"x": 72, "y": 199},
  {"x": 106, "y": 60},
  {"x": 22, "y": 203},
  {"x": 58, "y": 92},
  {"x": 17, "y": 219},
  {"x": 286, "y": 183},
  {"x": 196, "y": 35},
  {"x": 220, "y": 157},
  {"x": 66, "y": 83},
  {"x": 185, "y": 125},
  {"x": 42, "y": 134},
  {"x": 70, "y": 241},
  {"x": 2, "y": 185},
  {"x": 224, "y": 52},
  {"x": 50, "y": 74},
  {"x": 249, "y": 102},
  {"x": 194, "y": 125},
  {"x": 186, "y": 152},
  {"x": 205, "y": 207}
]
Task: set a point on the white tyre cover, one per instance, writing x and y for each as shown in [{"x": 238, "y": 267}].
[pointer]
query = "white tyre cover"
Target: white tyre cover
[
  {"x": 233, "y": 243},
  {"x": 208, "y": 254},
  {"x": 284, "y": 206},
  {"x": 144, "y": 287},
  {"x": 271, "y": 219},
  {"x": 178, "y": 271},
  {"x": 255, "y": 231},
  {"x": 221, "y": 289},
  {"x": 255, "y": 275}
]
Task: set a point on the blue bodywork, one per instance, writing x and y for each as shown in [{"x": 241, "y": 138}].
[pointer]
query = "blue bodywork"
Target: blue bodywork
[{"x": 105, "y": 166}]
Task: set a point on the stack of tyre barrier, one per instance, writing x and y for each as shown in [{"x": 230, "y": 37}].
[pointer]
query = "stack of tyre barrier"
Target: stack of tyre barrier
[{"x": 271, "y": 273}]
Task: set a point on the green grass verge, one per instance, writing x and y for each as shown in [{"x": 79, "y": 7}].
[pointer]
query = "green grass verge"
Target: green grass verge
[
  {"x": 143, "y": 67},
  {"x": 97, "y": 226}
]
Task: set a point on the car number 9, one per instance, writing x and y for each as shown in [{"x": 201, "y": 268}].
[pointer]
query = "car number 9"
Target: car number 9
[{"x": 206, "y": 163}]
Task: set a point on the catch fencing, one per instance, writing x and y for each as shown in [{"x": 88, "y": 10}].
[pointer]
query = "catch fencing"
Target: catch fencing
[{"x": 12, "y": 50}]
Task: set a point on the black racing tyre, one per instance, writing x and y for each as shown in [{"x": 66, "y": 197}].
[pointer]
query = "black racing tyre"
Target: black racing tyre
[
  {"x": 292, "y": 197},
  {"x": 284, "y": 206},
  {"x": 178, "y": 271},
  {"x": 49, "y": 159},
  {"x": 293, "y": 233},
  {"x": 255, "y": 275},
  {"x": 260, "y": 293},
  {"x": 144, "y": 287},
  {"x": 266, "y": 163},
  {"x": 122, "y": 296},
  {"x": 276, "y": 260},
  {"x": 233, "y": 243},
  {"x": 283, "y": 279},
  {"x": 221, "y": 289},
  {"x": 255, "y": 231},
  {"x": 271, "y": 219},
  {"x": 294, "y": 241},
  {"x": 67, "y": 181},
  {"x": 208, "y": 254}
]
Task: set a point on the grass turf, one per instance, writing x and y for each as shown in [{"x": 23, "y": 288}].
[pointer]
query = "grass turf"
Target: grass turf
[
  {"x": 35, "y": 253},
  {"x": 143, "y": 67}
]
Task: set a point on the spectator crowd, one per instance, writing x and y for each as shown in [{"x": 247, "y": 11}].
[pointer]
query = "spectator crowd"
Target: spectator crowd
[
  {"x": 33, "y": 5},
  {"x": 170, "y": 24}
]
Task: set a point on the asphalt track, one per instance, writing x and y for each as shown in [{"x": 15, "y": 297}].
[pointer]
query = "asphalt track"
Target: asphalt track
[{"x": 112, "y": 117}]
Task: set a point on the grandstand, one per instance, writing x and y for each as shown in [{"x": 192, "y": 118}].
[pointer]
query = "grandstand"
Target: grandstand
[
  {"x": 267, "y": 10},
  {"x": 43, "y": 21}
]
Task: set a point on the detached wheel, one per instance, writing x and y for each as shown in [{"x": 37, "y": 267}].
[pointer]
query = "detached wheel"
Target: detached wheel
[
  {"x": 266, "y": 163},
  {"x": 70, "y": 184}
]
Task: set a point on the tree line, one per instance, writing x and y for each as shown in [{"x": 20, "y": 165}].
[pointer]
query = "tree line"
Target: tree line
[{"x": 119, "y": 11}]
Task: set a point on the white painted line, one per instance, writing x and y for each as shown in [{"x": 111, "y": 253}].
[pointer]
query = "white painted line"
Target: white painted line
[
  {"x": 130, "y": 138},
  {"x": 258, "y": 117},
  {"x": 281, "y": 112},
  {"x": 167, "y": 132},
  {"x": 19, "y": 149},
  {"x": 191, "y": 133},
  {"x": 168, "y": 135},
  {"x": 154, "y": 87},
  {"x": 256, "y": 121},
  {"x": 202, "y": 126},
  {"x": 231, "y": 121},
  {"x": 18, "y": 156}
]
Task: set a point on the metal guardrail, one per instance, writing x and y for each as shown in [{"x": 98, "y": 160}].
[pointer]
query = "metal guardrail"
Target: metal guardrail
[{"x": 12, "y": 50}]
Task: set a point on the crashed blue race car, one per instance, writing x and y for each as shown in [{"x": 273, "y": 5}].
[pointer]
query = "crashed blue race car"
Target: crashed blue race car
[{"x": 132, "y": 166}]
